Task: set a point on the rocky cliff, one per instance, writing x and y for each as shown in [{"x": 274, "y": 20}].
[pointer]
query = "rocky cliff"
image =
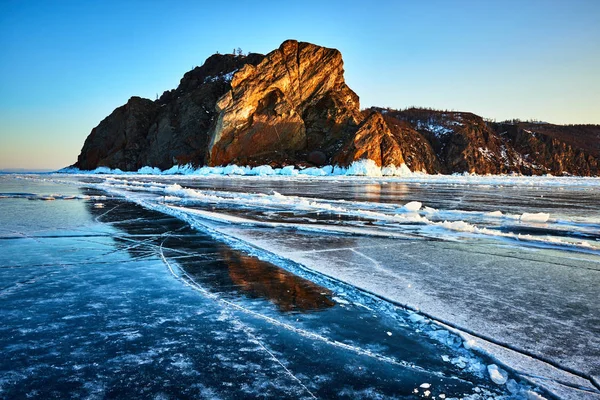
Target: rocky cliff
[
  {"x": 463, "y": 141},
  {"x": 292, "y": 106}
]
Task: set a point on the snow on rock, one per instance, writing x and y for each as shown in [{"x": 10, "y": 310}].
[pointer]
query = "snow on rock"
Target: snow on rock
[
  {"x": 497, "y": 375},
  {"x": 413, "y": 206},
  {"x": 535, "y": 217}
]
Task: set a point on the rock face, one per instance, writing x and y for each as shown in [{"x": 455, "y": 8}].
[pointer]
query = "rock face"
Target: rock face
[
  {"x": 292, "y": 106},
  {"x": 293, "y": 102},
  {"x": 171, "y": 130},
  {"x": 465, "y": 142}
]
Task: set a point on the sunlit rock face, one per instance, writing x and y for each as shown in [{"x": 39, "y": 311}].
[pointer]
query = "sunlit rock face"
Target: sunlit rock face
[
  {"x": 293, "y": 102},
  {"x": 374, "y": 141},
  {"x": 293, "y": 107}
]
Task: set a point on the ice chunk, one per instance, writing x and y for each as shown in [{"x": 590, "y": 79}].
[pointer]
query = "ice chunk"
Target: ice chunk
[
  {"x": 149, "y": 171},
  {"x": 513, "y": 386},
  {"x": 263, "y": 170},
  {"x": 389, "y": 333},
  {"x": 234, "y": 170},
  {"x": 413, "y": 206},
  {"x": 531, "y": 395},
  {"x": 314, "y": 171},
  {"x": 494, "y": 214},
  {"x": 535, "y": 217},
  {"x": 416, "y": 318},
  {"x": 497, "y": 375},
  {"x": 392, "y": 170},
  {"x": 364, "y": 167},
  {"x": 287, "y": 171},
  {"x": 460, "y": 226},
  {"x": 425, "y": 385}
]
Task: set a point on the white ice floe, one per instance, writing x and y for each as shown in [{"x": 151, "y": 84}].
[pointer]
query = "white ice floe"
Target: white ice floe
[
  {"x": 413, "y": 206},
  {"x": 497, "y": 375},
  {"x": 535, "y": 217},
  {"x": 494, "y": 214}
]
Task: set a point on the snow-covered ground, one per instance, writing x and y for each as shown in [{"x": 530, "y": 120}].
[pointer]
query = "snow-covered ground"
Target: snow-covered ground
[{"x": 512, "y": 264}]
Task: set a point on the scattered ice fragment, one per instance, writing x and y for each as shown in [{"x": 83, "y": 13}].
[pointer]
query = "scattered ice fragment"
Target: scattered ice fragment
[
  {"x": 415, "y": 390},
  {"x": 535, "y": 217},
  {"x": 425, "y": 385},
  {"x": 494, "y": 214},
  {"x": 512, "y": 386},
  {"x": 446, "y": 358},
  {"x": 427, "y": 393},
  {"x": 413, "y": 206},
  {"x": 416, "y": 318},
  {"x": 442, "y": 396},
  {"x": 389, "y": 333},
  {"x": 497, "y": 375},
  {"x": 531, "y": 395},
  {"x": 460, "y": 226},
  {"x": 468, "y": 344},
  {"x": 340, "y": 300}
]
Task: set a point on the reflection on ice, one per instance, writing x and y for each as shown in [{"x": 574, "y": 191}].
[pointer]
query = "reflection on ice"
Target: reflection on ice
[{"x": 214, "y": 264}]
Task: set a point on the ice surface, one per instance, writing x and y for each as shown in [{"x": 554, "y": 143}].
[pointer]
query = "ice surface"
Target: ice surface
[
  {"x": 128, "y": 302},
  {"x": 436, "y": 284},
  {"x": 452, "y": 259}
]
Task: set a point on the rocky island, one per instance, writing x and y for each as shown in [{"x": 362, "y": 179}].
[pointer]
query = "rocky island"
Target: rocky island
[{"x": 293, "y": 107}]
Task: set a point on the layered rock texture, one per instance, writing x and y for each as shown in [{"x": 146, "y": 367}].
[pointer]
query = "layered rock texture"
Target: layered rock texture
[{"x": 292, "y": 106}]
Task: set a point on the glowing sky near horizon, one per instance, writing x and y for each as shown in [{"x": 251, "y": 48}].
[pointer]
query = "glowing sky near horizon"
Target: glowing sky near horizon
[{"x": 66, "y": 65}]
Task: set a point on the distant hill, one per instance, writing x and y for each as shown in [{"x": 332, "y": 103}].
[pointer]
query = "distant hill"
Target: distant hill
[{"x": 292, "y": 106}]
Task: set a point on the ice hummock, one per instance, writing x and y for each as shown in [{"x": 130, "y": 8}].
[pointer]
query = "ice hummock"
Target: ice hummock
[{"x": 365, "y": 167}]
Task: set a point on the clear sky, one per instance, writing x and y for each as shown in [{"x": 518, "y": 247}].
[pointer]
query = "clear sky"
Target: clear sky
[{"x": 65, "y": 65}]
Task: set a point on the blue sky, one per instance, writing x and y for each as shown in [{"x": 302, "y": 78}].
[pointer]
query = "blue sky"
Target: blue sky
[{"x": 65, "y": 65}]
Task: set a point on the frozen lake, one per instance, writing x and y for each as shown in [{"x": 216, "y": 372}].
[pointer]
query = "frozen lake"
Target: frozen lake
[{"x": 232, "y": 287}]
